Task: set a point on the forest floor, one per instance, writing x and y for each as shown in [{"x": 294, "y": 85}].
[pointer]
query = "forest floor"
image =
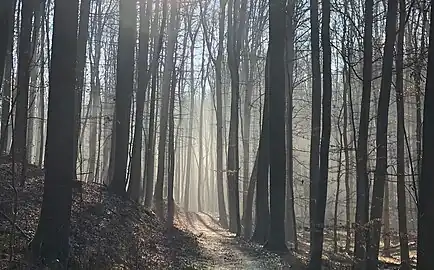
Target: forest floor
[
  {"x": 110, "y": 233},
  {"x": 225, "y": 251}
]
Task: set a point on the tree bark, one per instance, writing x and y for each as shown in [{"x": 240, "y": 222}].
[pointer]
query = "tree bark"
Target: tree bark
[
  {"x": 59, "y": 169},
  {"x": 381, "y": 138},
  {"x": 124, "y": 92}
]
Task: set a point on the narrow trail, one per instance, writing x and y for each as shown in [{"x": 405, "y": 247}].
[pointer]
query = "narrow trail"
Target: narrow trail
[{"x": 224, "y": 250}]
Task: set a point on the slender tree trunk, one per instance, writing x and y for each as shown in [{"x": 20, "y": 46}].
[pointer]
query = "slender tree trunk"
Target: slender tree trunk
[
  {"x": 95, "y": 93},
  {"x": 290, "y": 225},
  {"x": 319, "y": 212},
  {"x": 362, "y": 177},
  {"x": 191, "y": 115},
  {"x": 219, "y": 117},
  {"x": 168, "y": 66},
  {"x": 400, "y": 129},
  {"x": 316, "y": 113},
  {"x": 262, "y": 217},
  {"x": 83, "y": 34},
  {"x": 386, "y": 220},
  {"x": 381, "y": 138},
  {"x": 233, "y": 149},
  {"x": 21, "y": 112},
  {"x": 150, "y": 147},
  {"x": 135, "y": 188}
]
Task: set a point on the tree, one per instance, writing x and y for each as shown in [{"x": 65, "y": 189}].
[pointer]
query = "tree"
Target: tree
[
  {"x": 276, "y": 239},
  {"x": 291, "y": 226},
  {"x": 362, "y": 177},
  {"x": 24, "y": 57},
  {"x": 83, "y": 34},
  {"x": 262, "y": 218},
  {"x": 425, "y": 232},
  {"x": 321, "y": 191},
  {"x": 233, "y": 49},
  {"x": 135, "y": 188},
  {"x": 381, "y": 138},
  {"x": 51, "y": 241},
  {"x": 164, "y": 111},
  {"x": 124, "y": 91},
  {"x": 6, "y": 23},
  {"x": 219, "y": 116},
  {"x": 192, "y": 34},
  {"x": 316, "y": 111},
  {"x": 400, "y": 128}
]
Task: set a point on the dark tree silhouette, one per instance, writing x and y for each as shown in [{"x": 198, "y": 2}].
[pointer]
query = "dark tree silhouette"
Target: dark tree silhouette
[
  {"x": 124, "y": 92},
  {"x": 51, "y": 241},
  {"x": 276, "y": 239},
  {"x": 425, "y": 235}
]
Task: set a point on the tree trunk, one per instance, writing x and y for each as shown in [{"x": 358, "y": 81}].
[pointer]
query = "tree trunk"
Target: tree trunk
[
  {"x": 321, "y": 199},
  {"x": 425, "y": 232},
  {"x": 21, "y": 112},
  {"x": 400, "y": 129},
  {"x": 362, "y": 177},
  {"x": 219, "y": 117},
  {"x": 95, "y": 92},
  {"x": 168, "y": 66},
  {"x": 124, "y": 92},
  {"x": 262, "y": 217},
  {"x": 191, "y": 115},
  {"x": 290, "y": 219},
  {"x": 316, "y": 112},
  {"x": 6, "y": 24},
  {"x": 59, "y": 168},
  {"x": 233, "y": 150},
  {"x": 135, "y": 188},
  {"x": 83, "y": 34},
  {"x": 381, "y": 138},
  {"x": 276, "y": 239},
  {"x": 7, "y": 82}
]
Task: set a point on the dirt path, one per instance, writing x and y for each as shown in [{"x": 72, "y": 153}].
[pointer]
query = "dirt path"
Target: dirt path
[{"x": 224, "y": 250}]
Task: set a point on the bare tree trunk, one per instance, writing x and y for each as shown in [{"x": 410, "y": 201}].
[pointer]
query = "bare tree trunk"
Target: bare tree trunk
[
  {"x": 290, "y": 225},
  {"x": 381, "y": 138},
  {"x": 219, "y": 116},
  {"x": 95, "y": 92},
  {"x": 135, "y": 188},
  {"x": 233, "y": 150},
  {"x": 124, "y": 92},
  {"x": 262, "y": 217},
  {"x": 21, "y": 112},
  {"x": 316, "y": 113},
  {"x": 276, "y": 239},
  {"x": 400, "y": 129},
  {"x": 150, "y": 147},
  {"x": 192, "y": 36},
  {"x": 7, "y": 8},
  {"x": 168, "y": 66},
  {"x": 425, "y": 232},
  {"x": 362, "y": 177},
  {"x": 319, "y": 213},
  {"x": 59, "y": 169},
  {"x": 338, "y": 187},
  {"x": 171, "y": 154},
  {"x": 386, "y": 220},
  {"x": 7, "y": 82},
  {"x": 83, "y": 34}
]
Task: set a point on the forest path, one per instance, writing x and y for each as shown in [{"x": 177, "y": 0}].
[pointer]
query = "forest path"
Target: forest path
[{"x": 224, "y": 249}]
